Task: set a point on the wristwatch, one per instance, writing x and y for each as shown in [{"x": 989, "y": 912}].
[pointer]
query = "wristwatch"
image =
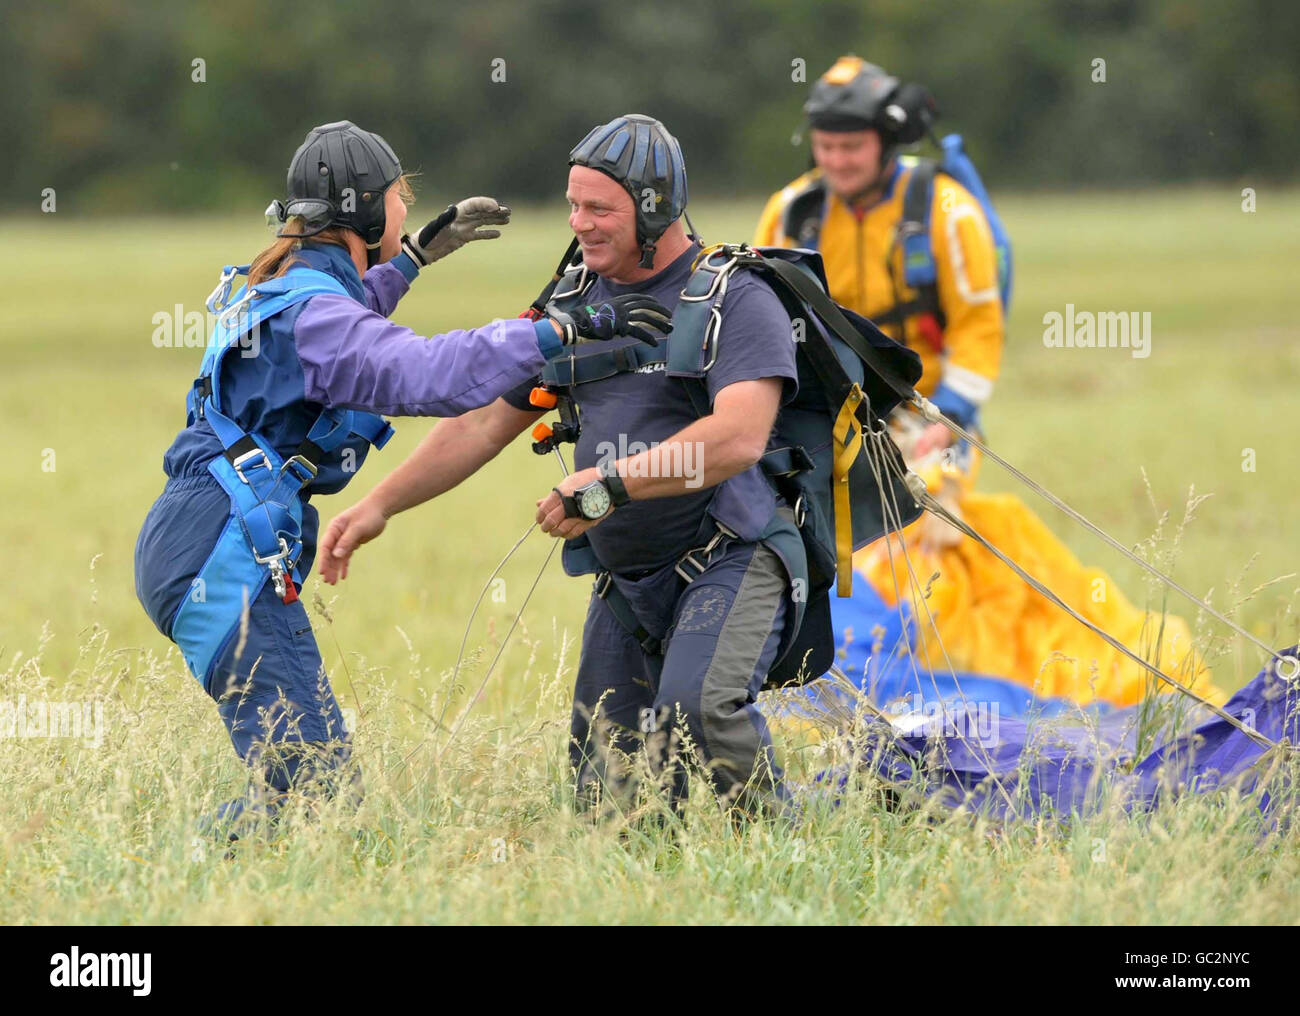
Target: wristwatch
[
  {"x": 608, "y": 469},
  {"x": 588, "y": 502}
]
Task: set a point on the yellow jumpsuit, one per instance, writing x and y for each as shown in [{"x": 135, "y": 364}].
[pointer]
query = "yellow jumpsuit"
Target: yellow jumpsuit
[{"x": 864, "y": 268}]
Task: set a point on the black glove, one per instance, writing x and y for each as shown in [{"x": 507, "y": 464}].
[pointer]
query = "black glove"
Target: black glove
[{"x": 633, "y": 314}]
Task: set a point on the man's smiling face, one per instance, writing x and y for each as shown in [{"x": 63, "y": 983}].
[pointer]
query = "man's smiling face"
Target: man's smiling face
[
  {"x": 849, "y": 160},
  {"x": 603, "y": 218}
]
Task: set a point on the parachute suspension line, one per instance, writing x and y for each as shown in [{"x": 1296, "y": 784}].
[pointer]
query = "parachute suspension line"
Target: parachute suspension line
[
  {"x": 465, "y": 638},
  {"x": 875, "y": 454},
  {"x": 451, "y": 736},
  {"x": 892, "y": 518},
  {"x": 928, "y": 410},
  {"x": 932, "y": 505},
  {"x": 460, "y": 655},
  {"x": 879, "y": 464},
  {"x": 880, "y": 461}
]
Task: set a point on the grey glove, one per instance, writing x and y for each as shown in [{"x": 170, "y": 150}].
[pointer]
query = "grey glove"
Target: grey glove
[{"x": 454, "y": 228}]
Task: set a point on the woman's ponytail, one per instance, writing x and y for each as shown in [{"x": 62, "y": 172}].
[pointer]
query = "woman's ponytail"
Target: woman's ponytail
[{"x": 282, "y": 254}]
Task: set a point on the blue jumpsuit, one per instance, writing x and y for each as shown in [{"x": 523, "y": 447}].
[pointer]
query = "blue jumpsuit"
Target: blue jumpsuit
[{"x": 335, "y": 351}]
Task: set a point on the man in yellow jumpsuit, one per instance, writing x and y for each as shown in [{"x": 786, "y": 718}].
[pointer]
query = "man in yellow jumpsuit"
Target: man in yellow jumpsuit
[{"x": 850, "y": 206}]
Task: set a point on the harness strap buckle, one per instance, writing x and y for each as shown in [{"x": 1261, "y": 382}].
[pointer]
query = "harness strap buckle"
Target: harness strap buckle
[
  {"x": 300, "y": 460},
  {"x": 216, "y": 300},
  {"x": 603, "y": 582},
  {"x": 275, "y": 560},
  {"x": 579, "y": 285},
  {"x": 711, "y": 332},
  {"x": 233, "y": 309},
  {"x": 689, "y": 559},
  {"x": 279, "y": 566},
  {"x": 240, "y": 461}
]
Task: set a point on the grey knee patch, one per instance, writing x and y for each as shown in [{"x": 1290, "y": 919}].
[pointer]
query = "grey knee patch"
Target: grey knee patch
[{"x": 730, "y": 736}]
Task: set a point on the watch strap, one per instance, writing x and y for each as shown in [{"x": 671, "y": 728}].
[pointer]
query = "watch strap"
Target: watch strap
[
  {"x": 570, "y": 505},
  {"x": 617, "y": 489}
]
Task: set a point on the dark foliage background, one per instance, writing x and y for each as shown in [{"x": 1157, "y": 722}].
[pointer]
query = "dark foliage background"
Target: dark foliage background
[{"x": 97, "y": 98}]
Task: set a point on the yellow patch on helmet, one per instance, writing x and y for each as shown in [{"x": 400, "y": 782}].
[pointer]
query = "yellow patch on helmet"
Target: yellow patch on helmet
[{"x": 844, "y": 70}]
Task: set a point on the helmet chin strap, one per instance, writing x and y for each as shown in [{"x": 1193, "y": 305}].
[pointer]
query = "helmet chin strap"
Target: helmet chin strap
[
  {"x": 381, "y": 227},
  {"x": 690, "y": 227},
  {"x": 647, "y": 255}
]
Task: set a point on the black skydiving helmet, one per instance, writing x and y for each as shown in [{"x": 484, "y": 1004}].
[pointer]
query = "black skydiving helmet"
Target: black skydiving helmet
[
  {"x": 337, "y": 177},
  {"x": 855, "y": 95},
  {"x": 637, "y": 151}
]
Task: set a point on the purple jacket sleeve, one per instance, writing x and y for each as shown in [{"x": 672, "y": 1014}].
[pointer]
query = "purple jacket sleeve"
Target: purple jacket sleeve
[
  {"x": 354, "y": 358},
  {"x": 387, "y": 283}
]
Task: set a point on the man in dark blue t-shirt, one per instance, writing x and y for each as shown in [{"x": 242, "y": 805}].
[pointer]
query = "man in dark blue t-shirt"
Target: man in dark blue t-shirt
[{"x": 691, "y": 609}]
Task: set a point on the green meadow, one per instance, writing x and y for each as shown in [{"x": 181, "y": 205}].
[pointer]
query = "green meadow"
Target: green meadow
[{"x": 478, "y": 826}]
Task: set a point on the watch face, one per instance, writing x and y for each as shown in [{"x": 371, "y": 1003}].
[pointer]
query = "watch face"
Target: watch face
[{"x": 594, "y": 501}]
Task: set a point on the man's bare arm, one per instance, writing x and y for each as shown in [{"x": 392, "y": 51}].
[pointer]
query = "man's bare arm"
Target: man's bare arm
[
  {"x": 454, "y": 450},
  {"x": 450, "y": 453},
  {"x": 703, "y": 454}
]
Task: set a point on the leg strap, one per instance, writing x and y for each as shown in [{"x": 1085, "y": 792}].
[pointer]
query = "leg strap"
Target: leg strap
[
  {"x": 622, "y": 611},
  {"x": 689, "y": 566}
]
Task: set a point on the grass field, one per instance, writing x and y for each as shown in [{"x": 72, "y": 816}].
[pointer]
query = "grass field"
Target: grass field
[{"x": 481, "y": 831}]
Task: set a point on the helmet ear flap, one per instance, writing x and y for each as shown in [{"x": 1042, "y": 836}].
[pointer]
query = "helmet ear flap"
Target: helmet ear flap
[{"x": 910, "y": 113}]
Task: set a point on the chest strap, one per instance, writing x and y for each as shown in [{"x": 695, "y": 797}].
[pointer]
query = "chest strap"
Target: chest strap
[{"x": 574, "y": 369}]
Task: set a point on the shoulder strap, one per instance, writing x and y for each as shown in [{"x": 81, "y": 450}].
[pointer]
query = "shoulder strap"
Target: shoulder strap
[
  {"x": 919, "y": 270},
  {"x": 892, "y": 371},
  {"x": 571, "y": 287},
  {"x": 802, "y": 219},
  {"x": 697, "y": 321},
  {"x": 255, "y": 305}
]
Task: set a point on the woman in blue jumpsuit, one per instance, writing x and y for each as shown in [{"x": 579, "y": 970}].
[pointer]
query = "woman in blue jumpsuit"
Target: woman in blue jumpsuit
[{"x": 300, "y": 365}]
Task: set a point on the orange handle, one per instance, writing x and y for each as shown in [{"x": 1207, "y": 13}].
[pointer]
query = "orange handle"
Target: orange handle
[{"x": 543, "y": 399}]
